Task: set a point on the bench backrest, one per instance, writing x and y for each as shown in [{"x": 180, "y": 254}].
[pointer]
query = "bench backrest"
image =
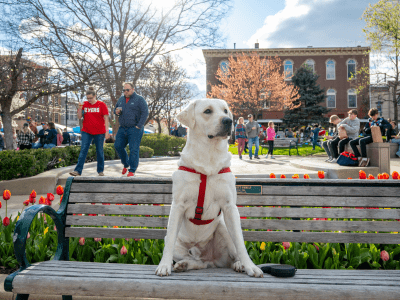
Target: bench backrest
[{"x": 277, "y": 210}]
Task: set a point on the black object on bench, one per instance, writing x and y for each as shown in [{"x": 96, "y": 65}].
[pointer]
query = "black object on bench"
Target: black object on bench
[
  {"x": 282, "y": 143},
  {"x": 298, "y": 198}
]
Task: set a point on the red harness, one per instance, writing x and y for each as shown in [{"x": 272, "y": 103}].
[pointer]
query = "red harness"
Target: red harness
[{"x": 202, "y": 192}]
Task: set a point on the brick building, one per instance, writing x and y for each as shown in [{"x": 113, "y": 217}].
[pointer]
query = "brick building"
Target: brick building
[{"x": 334, "y": 65}]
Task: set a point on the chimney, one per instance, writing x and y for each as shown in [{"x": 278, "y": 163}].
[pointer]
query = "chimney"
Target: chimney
[
  {"x": 257, "y": 45},
  {"x": 234, "y": 45}
]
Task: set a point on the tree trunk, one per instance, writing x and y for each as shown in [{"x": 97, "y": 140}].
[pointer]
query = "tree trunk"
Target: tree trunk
[
  {"x": 395, "y": 106},
  {"x": 7, "y": 125},
  {"x": 158, "y": 120}
]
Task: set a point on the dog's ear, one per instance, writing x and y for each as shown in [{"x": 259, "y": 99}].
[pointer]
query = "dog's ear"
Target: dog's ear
[{"x": 186, "y": 116}]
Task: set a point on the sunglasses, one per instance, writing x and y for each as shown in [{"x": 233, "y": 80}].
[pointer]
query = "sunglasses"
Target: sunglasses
[{"x": 126, "y": 90}]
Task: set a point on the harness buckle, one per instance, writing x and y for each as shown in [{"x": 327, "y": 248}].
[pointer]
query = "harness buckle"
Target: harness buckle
[{"x": 199, "y": 210}]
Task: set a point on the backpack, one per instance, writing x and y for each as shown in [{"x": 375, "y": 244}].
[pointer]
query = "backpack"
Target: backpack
[{"x": 347, "y": 159}]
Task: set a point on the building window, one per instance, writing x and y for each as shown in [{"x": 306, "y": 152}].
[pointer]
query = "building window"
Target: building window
[
  {"x": 351, "y": 68},
  {"x": 288, "y": 69},
  {"x": 265, "y": 99},
  {"x": 352, "y": 98},
  {"x": 224, "y": 66},
  {"x": 330, "y": 70},
  {"x": 310, "y": 64},
  {"x": 56, "y": 119},
  {"x": 331, "y": 98}
]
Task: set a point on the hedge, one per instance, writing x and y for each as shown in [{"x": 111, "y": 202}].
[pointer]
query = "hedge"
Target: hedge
[
  {"x": 27, "y": 163},
  {"x": 164, "y": 144}
]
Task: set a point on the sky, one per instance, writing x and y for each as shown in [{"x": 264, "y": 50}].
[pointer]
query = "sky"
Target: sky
[{"x": 288, "y": 24}]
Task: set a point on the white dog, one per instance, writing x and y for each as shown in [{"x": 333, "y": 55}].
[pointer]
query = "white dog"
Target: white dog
[{"x": 197, "y": 236}]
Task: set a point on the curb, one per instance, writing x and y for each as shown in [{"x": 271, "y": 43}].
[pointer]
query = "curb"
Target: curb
[{"x": 46, "y": 182}]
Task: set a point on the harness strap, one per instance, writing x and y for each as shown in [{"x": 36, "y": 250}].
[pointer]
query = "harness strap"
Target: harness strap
[{"x": 202, "y": 192}]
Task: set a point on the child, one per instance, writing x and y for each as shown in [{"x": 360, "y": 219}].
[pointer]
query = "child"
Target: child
[{"x": 270, "y": 138}]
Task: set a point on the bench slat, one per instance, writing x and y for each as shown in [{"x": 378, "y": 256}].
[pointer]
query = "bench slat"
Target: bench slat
[
  {"x": 195, "y": 286},
  {"x": 339, "y": 201},
  {"x": 125, "y": 187},
  {"x": 330, "y": 190},
  {"x": 244, "y": 211},
  {"x": 246, "y": 224},
  {"x": 272, "y": 236}
]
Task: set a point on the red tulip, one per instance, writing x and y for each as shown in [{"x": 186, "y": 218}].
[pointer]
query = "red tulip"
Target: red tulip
[
  {"x": 386, "y": 176},
  {"x": 82, "y": 241},
  {"x": 283, "y": 176},
  {"x": 349, "y": 178},
  {"x": 6, "y": 195},
  {"x": 28, "y": 236},
  {"x": 26, "y": 202},
  {"x": 370, "y": 176},
  {"x": 50, "y": 197},
  {"x": 295, "y": 176},
  {"x": 286, "y": 245},
  {"x": 137, "y": 240},
  {"x": 61, "y": 199},
  {"x": 272, "y": 175},
  {"x": 33, "y": 194},
  {"x": 362, "y": 174},
  {"x": 395, "y": 175},
  {"x": 32, "y": 199},
  {"x": 384, "y": 255},
  {"x": 0, "y": 204},
  {"x": 124, "y": 251},
  {"x": 316, "y": 247},
  {"x": 42, "y": 200},
  {"x": 6, "y": 221},
  {"x": 97, "y": 239},
  {"x": 321, "y": 174},
  {"x": 306, "y": 176},
  {"x": 380, "y": 176},
  {"x": 59, "y": 190}
]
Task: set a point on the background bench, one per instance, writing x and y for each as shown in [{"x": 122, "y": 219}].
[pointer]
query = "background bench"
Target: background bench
[
  {"x": 282, "y": 143},
  {"x": 300, "y": 201}
]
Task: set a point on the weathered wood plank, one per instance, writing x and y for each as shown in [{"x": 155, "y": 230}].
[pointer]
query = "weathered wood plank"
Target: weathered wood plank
[
  {"x": 392, "y": 226},
  {"x": 352, "y": 191},
  {"x": 165, "y": 287},
  {"x": 126, "y": 187},
  {"x": 272, "y": 236},
  {"x": 264, "y": 200},
  {"x": 260, "y": 212}
]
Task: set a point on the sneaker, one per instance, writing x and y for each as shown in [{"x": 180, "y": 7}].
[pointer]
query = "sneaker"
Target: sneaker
[
  {"x": 250, "y": 157},
  {"x": 130, "y": 174},
  {"x": 367, "y": 163},
  {"x": 240, "y": 157},
  {"x": 101, "y": 174},
  {"x": 329, "y": 159},
  {"x": 266, "y": 156},
  {"x": 124, "y": 170},
  {"x": 74, "y": 173},
  {"x": 257, "y": 157},
  {"x": 333, "y": 160},
  {"x": 360, "y": 161},
  {"x": 272, "y": 157},
  {"x": 364, "y": 162}
]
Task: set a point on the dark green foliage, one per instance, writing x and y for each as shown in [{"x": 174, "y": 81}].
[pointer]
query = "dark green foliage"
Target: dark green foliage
[
  {"x": 163, "y": 144},
  {"x": 311, "y": 98}
]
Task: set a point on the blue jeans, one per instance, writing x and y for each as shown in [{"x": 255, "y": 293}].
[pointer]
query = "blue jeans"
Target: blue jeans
[
  {"x": 48, "y": 146},
  {"x": 315, "y": 143},
  {"x": 398, "y": 142},
  {"x": 133, "y": 137},
  {"x": 37, "y": 145},
  {"x": 85, "y": 144},
  {"x": 256, "y": 142}
]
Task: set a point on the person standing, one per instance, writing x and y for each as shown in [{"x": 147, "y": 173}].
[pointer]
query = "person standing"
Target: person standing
[
  {"x": 252, "y": 132},
  {"x": 132, "y": 112},
  {"x": 94, "y": 127},
  {"x": 66, "y": 138},
  {"x": 41, "y": 136},
  {"x": 59, "y": 137},
  {"x": 33, "y": 128},
  {"x": 25, "y": 137},
  {"x": 240, "y": 135},
  {"x": 315, "y": 132},
  {"x": 50, "y": 140},
  {"x": 270, "y": 138}
]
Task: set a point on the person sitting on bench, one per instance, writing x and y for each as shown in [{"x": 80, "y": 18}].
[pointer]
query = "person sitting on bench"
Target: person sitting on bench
[
  {"x": 335, "y": 120},
  {"x": 374, "y": 120}
]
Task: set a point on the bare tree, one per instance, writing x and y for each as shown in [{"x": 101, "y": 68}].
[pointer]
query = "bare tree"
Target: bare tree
[{"x": 120, "y": 37}]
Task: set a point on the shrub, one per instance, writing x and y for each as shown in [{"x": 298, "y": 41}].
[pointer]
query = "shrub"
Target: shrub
[
  {"x": 163, "y": 144},
  {"x": 145, "y": 152}
]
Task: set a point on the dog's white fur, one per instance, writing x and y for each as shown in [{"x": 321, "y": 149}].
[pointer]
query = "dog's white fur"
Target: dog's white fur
[{"x": 215, "y": 244}]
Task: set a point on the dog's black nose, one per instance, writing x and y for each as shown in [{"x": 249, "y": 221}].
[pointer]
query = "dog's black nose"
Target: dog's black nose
[{"x": 227, "y": 122}]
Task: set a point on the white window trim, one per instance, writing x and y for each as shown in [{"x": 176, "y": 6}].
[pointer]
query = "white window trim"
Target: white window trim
[
  {"x": 348, "y": 100},
  {"x": 347, "y": 68},
  {"x": 284, "y": 62},
  {"x": 305, "y": 63},
  {"x": 326, "y": 69},
  {"x": 327, "y": 98}
]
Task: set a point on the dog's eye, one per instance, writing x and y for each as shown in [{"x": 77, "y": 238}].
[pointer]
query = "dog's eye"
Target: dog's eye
[
  {"x": 208, "y": 111},
  {"x": 226, "y": 111}
]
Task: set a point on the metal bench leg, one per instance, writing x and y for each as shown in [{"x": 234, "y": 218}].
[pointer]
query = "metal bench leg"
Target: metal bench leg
[
  {"x": 22, "y": 297},
  {"x": 69, "y": 297}
]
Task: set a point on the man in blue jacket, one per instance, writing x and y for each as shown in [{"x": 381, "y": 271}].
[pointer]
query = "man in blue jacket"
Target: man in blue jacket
[{"x": 132, "y": 111}]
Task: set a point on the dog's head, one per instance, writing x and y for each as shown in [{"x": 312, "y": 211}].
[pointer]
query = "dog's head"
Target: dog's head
[{"x": 209, "y": 117}]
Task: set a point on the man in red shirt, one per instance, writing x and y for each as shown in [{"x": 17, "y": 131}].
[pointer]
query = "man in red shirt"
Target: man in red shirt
[{"x": 94, "y": 127}]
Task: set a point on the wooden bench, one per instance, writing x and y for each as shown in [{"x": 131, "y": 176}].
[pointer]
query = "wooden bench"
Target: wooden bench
[
  {"x": 282, "y": 143},
  {"x": 296, "y": 202}
]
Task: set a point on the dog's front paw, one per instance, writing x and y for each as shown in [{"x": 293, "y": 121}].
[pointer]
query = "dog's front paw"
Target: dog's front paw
[
  {"x": 252, "y": 270},
  {"x": 181, "y": 266},
  {"x": 237, "y": 266},
  {"x": 163, "y": 269}
]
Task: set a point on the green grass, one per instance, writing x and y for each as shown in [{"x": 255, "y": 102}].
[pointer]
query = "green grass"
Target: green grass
[{"x": 305, "y": 150}]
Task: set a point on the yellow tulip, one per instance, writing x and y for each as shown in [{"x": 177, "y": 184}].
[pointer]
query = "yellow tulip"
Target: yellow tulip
[
  {"x": 46, "y": 230},
  {"x": 262, "y": 247}
]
